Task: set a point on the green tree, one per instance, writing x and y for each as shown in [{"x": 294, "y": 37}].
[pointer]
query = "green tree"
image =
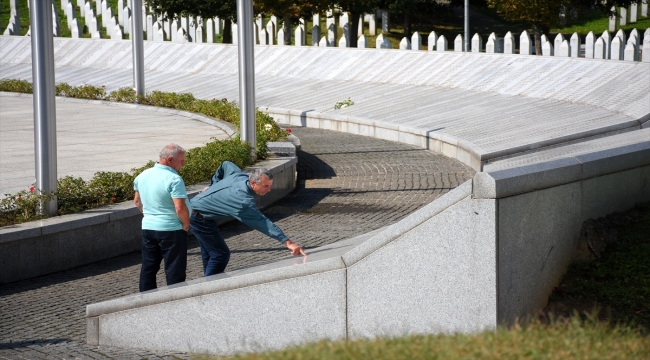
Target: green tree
[
  {"x": 417, "y": 11},
  {"x": 542, "y": 15},
  {"x": 355, "y": 8}
]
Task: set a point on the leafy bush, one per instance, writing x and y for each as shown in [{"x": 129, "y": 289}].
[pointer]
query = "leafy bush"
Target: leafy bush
[
  {"x": 76, "y": 194},
  {"x": 19, "y": 86}
]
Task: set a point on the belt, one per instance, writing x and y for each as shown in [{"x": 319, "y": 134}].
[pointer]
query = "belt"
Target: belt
[{"x": 197, "y": 214}]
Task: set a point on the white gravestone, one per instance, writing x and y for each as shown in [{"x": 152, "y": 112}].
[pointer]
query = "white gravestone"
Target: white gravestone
[
  {"x": 199, "y": 35},
  {"x": 458, "y": 43},
  {"x": 343, "y": 41},
  {"x": 645, "y": 52},
  {"x": 607, "y": 38},
  {"x": 497, "y": 46},
  {"x": 299, "y": 36},
  {"x": 233, "y": 31},
  {"x": 491, "y": 46},
  {"x": 259, "y": 20},
  {"x": 274, "y": 20},
  {"x": 634, "y": 11},
  {"x": 416, "y": 41},
  {"x": 185, "y": 24},
  {"x": 617, "y": 48},
  {"x": 558, "y": 42},
  {"x": 372, "y": 24},
  {"x": 108, "y": 15},
  {"x": 315, "y": 35},
  {"x": 621, "y": 34},
  {"x": 64, "y": 3},
  {"x": 120, "y": 12},
  {"x": 256, "y": 34},
  {"x": 547, "y": 49},
  {"x": 442, "y": 44},
  {"x": 362, "y": 42},
  {"x": 93, "y": 27},
  {"x": 270, "y": 28},
  {"x": 612, "y": 21},
  {"x": 623, "y": 15},
  {"x": 209, "y": 31},
  {"x": 181, "y": 36},
  {"x": 346, "y": 30},
  {"x": 173, "y": 30},
  {"x": 329, "y": 20},
  {"x": 265, "y": 38},
  {"x": 405, "y": 44},
  {"x": 56, "y": 24},
  {"x": 81, "y": 5},
  {"x": 600, "y": 49},
  {"x": 158, "y": 32},
  {"x": 509, "y": 43},
  {"x": 360, "y": 26},
  {"x": 589, "y": 45},
  {"x": 127, "y": 20},
  {"x": 477, "y": 43},
  {"x": 382, "y": 43},
  {"x": 315, "y": 20},
  {"x": 525, "y": 44},
  {"x": 344, "y": 19},
  {"x": 71, "y": 14},
  {"x": 629, "y": 53},
  {"x": 644, "y": 8},
  {"x": 218, "y": 27},
  {"x": 564, "y": 50},
  {"x": 385, "y": 18},
  {"x": 192, "y": 28},
  {"x": 432, "y": 40},
  {"x": 74, "y": 29},
  {"x": 331, "y": 34},
  {"x": 280, "y": 38},
  {"x": 87, "y": 13},
  {"x": 117, "y": 32},
  {"x": 575, "y": 45},
  {"x": 323, "y": 42}
]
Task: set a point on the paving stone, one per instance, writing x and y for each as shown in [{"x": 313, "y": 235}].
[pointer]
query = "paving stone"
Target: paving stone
[{"x": 347, "y": 185}]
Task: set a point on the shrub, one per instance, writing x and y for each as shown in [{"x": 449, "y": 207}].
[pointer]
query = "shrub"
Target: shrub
[{"x": 19, "y": 86}]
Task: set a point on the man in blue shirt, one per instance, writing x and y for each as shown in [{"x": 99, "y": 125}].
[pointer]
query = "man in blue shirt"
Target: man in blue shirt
[
  {"x": 231, "y": 194},
  {"x": 161, "y": 196}
]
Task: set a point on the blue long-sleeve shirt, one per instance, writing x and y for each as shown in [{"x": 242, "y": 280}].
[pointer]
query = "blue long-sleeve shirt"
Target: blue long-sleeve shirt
[{"x": 230, "y": 195}]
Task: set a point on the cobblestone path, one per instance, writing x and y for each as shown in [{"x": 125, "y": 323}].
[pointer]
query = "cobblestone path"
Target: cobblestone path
[{"x": 348, "y": 185}]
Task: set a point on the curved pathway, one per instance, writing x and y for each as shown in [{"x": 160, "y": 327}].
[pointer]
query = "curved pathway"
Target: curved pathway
[{"x": 348, "y": 185}]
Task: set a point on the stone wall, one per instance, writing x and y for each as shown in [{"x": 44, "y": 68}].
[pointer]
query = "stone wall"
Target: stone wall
[{"x": 64, "y": 242}]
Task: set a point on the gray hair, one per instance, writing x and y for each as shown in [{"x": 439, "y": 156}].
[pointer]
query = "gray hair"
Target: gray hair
[
  {"x": 256, "y": 175},
  {"x": 171, "y": 150}
]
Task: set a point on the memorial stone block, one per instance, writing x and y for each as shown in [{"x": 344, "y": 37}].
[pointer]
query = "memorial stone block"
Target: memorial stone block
[
  {"x": 432, "y": 40},
  {"x": 644, "y": 8},
  {"x": 56, "y": 24},
  {"x": 441, "y": 44},
  {"x": 559, "y": 38},
  {"x": 575, "y": 45},
  {"x": 185, "y": 24},
  {"x": 157, "y": 32},
  {"x": 525, "y": 44},
  {"x": 600, "y": 50},
  {"x": 564, "y": 50},
  {"x": 191, "y": 32},
  {"x": 173, "y": 30},
  {"x": 547, "y": 49},
  {"x": 74, "y": 29},
  {"x": 87, "y": 12},
  {"x": 274, "y": 20},
  {"x": 385, "y": 25},
  {"x": 621, "y": 34},
  {"x": 81, "y": 4},
  {"x": 416, "y": 41},
  {"x": 149, "y": 28},
  {"x": 360, "y": 26},
  {"x": 199, "y": 35},
  {"x": 256, "y": 34},
  {"x": 362, "y": 42},
  {"x": 405, "y": 44},
  {"x": 181, "y": 36},
  {"x": 71, "y": 14},
  {"x": 617, "y": 48},
  {"x": 302, "y": 23},
  {"x": 259, "y": 20},
  {"x": 315, "y": 35},
  {"x": 93, "y": 26},
  {"x": 458, "y": 43},
  {"x": 372, "y": 24},
  {"x": 315, "y": 20},
  {"x": 64, "y": 4},
  {"x": 344, "y": 19},
  {"x": 477, "y": 43},
  {"x": 491, "y": 46},
  {"x": 329, "y": 20},
  {"x": 127, "y": 20},
  {"x": 106, "y": 18},
  {"x": 634, "y": 12}
]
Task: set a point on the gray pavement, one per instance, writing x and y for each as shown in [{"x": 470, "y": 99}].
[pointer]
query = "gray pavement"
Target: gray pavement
[
  {"x": 348, "y": 185},
  {"x": 90, "y": 138}
]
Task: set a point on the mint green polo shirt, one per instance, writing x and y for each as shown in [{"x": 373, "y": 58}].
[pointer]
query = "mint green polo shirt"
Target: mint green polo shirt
[{"x": 157, "y": 186}]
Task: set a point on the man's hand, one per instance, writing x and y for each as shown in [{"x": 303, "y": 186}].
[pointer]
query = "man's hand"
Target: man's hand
[
  {"x": 295, "y": 248},
  {"x": 137, "y": 201},
  {"x": 182, "y": 212}
]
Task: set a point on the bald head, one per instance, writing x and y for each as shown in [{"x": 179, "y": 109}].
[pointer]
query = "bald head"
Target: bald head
[{"x": 173, "y": 156}]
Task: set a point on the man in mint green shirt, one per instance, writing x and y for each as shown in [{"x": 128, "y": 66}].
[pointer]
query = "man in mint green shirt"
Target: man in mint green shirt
[{"x": 161, "y": 197}]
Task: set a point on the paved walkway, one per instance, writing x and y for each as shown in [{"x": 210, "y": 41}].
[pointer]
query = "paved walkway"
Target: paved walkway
[
  {"x": 348, "y": 185},
  {"x": 91, "y": 138}
]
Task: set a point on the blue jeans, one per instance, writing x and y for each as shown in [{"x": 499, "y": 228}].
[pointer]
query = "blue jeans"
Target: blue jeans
[
  {"x": 159, "y": 245},
  {"x": 214, "y": 251}
]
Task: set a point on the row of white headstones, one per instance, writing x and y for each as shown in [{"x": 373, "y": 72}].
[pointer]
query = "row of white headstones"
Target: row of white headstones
[{"x": 190, "y": 29}]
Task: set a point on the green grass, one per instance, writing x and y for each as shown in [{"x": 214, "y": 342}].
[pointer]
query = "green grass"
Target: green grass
[{"x": 595, "y": 21}]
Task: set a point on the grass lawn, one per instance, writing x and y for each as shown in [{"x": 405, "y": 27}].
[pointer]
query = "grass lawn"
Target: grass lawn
[
  {"x": 596, "y": 22},
  {"x": 618, "y": 282}
]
